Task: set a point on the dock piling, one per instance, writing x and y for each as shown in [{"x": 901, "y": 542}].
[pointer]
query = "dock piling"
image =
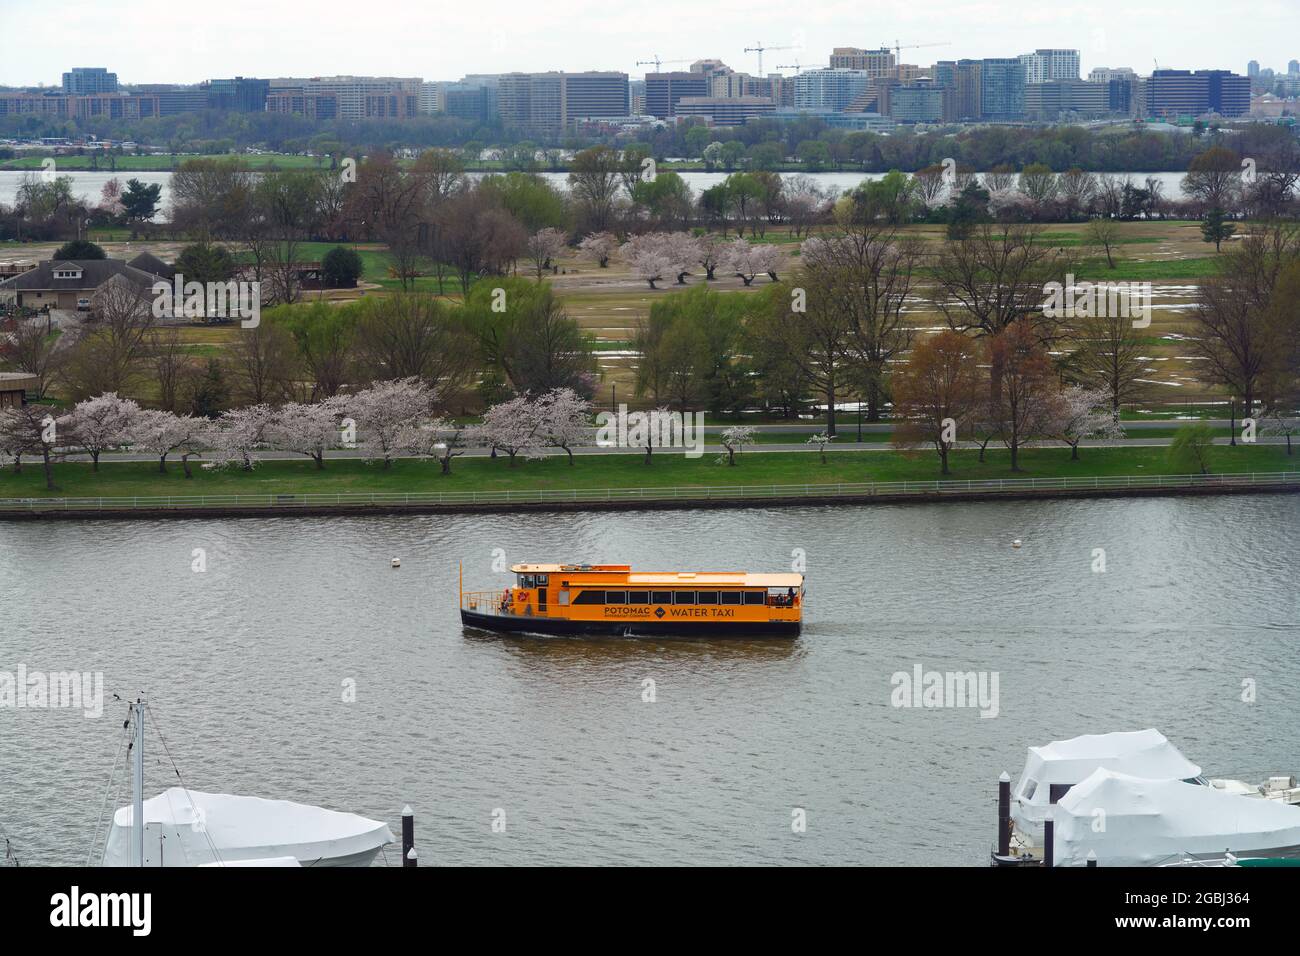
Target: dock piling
[
  {"x": 1049, "y": 843},
  {"x": 1004, "y": 814},
  {"x": 409, "y": 856}
]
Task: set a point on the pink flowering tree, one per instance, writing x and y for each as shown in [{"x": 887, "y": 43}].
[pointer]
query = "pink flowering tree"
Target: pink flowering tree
[
  {"x": 161, "y": 433},
  {"x": 100, "y": 423},
  {"x": 565, "y": 420},
  {"x": 749, "y": 260},
  {"x": 239, "y": 434},
  {"x": 385, "y": 413},
  {"x": 308, "y": 429},
  {"x": 513, "y": 427},
  {"x": 1081, "y": 413},
  {"x": 599, "y": 247}
]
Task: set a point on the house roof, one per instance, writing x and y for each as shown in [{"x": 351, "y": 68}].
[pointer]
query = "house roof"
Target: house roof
[
  {"x": 148, "y": 262},
  {"x": 94, "y": 273}
]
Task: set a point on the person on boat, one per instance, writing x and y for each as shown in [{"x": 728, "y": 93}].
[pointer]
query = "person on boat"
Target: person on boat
[
  {"x": 789, "y": 597},
  {"x": 505, "y": 601}
]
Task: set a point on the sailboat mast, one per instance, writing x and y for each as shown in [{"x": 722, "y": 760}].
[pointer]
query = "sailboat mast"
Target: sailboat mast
[{"x": 137, "y": 784}]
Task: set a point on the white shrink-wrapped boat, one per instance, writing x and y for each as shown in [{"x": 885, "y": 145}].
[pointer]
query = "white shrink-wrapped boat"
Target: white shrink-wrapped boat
[
  {"x": 191, "y": 828},
  {"x": 1063, "y": 763},
  {"x": 1135, "y": 821}
]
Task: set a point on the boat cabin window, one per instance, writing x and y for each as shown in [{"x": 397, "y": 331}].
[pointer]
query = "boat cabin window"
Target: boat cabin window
[
  {"x": 615, "y": 597},
  {"x": 707, "y": 597},
  {"x": 562, "y": 597},
  {"x": 661, "y": 597},
  {"x": 683, "y": 597},
  {"x": 730, "y": 597},
  {"x": 638, "y": 597},
  {"x": 526, "y": 580},
  {"x": 541, "y": 580},
  {"x": 590, "y": 597},
  {"x": 1030, "y": 789},
  {"x": 755, "y": 597}
]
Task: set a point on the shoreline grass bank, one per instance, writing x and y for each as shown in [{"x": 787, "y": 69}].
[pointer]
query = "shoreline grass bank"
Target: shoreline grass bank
[{"x": 349, "y": 485}]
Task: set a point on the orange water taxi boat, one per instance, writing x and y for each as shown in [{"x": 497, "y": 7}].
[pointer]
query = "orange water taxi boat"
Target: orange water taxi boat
[{"x": 612, "y": 599}]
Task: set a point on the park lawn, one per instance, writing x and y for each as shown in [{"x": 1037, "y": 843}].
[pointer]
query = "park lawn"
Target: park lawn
[{"x": 350, "y": 476}]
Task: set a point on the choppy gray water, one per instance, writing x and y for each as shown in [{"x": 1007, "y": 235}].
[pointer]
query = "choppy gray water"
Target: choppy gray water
[{"x": 246, "y": 662}]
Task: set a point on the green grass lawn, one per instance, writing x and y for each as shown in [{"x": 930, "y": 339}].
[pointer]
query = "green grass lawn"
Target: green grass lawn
[{"x": 75, "y": 479}]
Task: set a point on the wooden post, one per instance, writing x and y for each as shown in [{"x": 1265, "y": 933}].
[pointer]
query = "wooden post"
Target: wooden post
[
  {"x": 1049, "y": 843},
  {"x": 1004, "y": 814},
  {"x": 408, "y": 836}
]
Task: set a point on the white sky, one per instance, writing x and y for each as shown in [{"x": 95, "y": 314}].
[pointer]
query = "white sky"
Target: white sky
[{"x": 163, "y": 41}]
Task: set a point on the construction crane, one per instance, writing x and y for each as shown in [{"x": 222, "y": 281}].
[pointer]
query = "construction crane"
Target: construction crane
[
  {"x": 658, "y": 62},
  {"x": 898, "y": 50},
  {"x": 789, "y": 66},
  {"x": 759, "y": 48}
]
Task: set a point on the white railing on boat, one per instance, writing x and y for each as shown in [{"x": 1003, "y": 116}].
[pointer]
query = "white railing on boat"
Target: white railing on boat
[{"x": 811, "y": 490}]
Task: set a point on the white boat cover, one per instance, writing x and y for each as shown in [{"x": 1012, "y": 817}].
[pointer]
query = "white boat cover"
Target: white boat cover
[
  {"x": 269, "y": 861},
  {"x": 1141, "y": 753},
  {"x": 1133, "y": 821},
  {"x": 191, "y": 828}
]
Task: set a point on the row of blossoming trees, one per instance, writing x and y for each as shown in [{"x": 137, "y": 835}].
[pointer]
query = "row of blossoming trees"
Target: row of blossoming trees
[
  {"x": 662, "y": 256},
  {"x": 387, "y": 420}
]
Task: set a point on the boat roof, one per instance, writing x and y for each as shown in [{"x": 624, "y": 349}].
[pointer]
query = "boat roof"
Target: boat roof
[
  {"x": 669, "y": 578},
  {"x": 1150, "y": 821},
  {"x": 1142, "y": 753}
]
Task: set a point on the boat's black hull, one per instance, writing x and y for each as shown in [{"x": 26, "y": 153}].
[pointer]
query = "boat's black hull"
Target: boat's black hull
[{"x": 516, "y": 624}]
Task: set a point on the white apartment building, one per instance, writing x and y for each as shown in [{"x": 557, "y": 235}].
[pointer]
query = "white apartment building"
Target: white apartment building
[{"x": 1044, "y": 65}]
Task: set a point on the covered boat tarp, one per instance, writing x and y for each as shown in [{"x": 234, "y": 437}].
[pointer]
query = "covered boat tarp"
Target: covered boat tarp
[
  {"x": 1141, "y": 753},
  {"x": 1134, "y": 821},
  {"x": 191, "y": 828}
]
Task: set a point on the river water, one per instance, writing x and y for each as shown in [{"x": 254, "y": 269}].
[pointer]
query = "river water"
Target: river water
[{"x": 248, "y": 662}]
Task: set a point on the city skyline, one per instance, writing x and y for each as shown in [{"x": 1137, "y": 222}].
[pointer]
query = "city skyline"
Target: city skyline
[{"x": 580, "y": 35}]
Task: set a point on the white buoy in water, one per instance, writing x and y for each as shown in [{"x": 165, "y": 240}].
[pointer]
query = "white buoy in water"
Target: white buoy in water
[
  {"x": 1016, "y": 543},
  {"x": 397, "y": 562}
]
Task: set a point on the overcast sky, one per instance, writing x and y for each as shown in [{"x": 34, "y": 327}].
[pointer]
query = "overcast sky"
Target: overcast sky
[{"x": 162, "y": 41}]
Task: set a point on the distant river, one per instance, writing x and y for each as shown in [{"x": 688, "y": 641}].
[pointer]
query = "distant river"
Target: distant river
[
  {"x": 88, "y": 185},
  {"x": 246, "y": 664}
]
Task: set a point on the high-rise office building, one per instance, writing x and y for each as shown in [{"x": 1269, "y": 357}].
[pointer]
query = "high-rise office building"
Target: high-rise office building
[
  {"x": 1104, "y": 74},
  {"x": 963, "y": 78},
  {"x": 354, "y": 97},
  {"x": 1043, "y": 65},
  {"x": 1252, "y": 69},
  {"x": 549, "y": 102},
  {"x": 240, "y": 94},
  {"x": 89, "y": 79},
  {"x": 1173, "y": 93},
  {"x": 1002, "y": 88},
  {"x": 663, "y": 91}
]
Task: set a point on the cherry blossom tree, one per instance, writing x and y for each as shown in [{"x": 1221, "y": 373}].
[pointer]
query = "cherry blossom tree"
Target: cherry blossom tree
[
  {"x": 30, "y": 429},
  {"x": 543, "y": 246},
  {"x": 110, "y": 199},
  {"x": 749, "y": 260},
  {"x": 161, "y": 433},
  {"x": 682, "y": 251},
  {"x": 598, "y": 247},
  {"x": 308, "y": 429},
  {"x": 1276, "y": 421},
  {"x": 1083, "y": 413},
  {"x": 708, "y": 254},
  {"x": 385, "y": 413},
  {"x": 735, "y": 438},
  {"x": 440, "y": 439},
  {"x": 648, "y": 258},
  {"x": 565, "y": 420},
  {"x": 13, "y": 438},
  {"x": 239, "y": 433},
  {"x": 820, "y": 440},
  {"x": 100, "y": 423},
  {"x": 513, "y": 427}
]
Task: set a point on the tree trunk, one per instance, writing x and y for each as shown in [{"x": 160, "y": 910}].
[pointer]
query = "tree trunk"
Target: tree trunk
[
  {"x": 49, "y": 471},
  {"x": 569, "y": 452},
  {"x": 94, "y": 460},
  {"x": 943, "y": 458},
  {"x": 162, "y": 465}
]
